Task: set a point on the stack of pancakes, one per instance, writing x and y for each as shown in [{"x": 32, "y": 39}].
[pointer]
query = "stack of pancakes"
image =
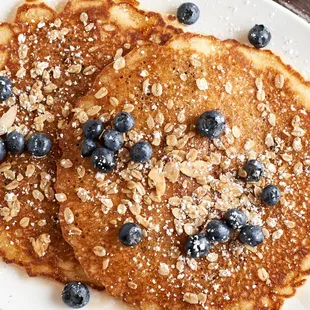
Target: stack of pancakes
[{"x": 97, "y": 58}]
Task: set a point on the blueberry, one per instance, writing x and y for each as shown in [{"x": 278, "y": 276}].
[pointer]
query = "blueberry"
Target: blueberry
[
  {"x": 188, "y": 13},
  {"x": 235, "y": 219},
  {"x": 103, "y": 159},
  {"x": 141, "y": 152},
  {"x": 211, "y": 124},
  {"x": 259, "y": 36},
  {"x": 271, "y": 195},
  {"x": 5, "y": 88},
  {"x": 130, "y": 234},
  {"x": 112, "y": 140},
  {"x": 15, "y": 142},
  {"x": 2, "y": 149},
  {"x": 87, "y": 147},
  {"x": 254, "y": 170},
  {"x": 92, "y": 129},
  {"x": 75, "y": 295},
  {"x": 251, "y": 235},
  {"x": 123, "y": 122},
  {"x": 39, "y": 144},
  {"x": 197, "y": 246},
  {"x": 217, "y": 231}
]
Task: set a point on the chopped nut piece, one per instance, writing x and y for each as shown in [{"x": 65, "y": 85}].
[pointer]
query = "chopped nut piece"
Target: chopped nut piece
[
  {"x": 172, "y": 171},
  {"x": 68, "y": 216},
  {"x": 41, "y": 244},
  {"x": 158, "y": 177},
  {"x": 269, "y": 140},
  {"x": 119, "y": 63},
  {"x": 195, "y": 60}
]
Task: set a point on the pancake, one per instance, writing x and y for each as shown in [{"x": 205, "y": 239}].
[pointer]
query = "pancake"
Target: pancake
[
  {"x": 52, "y": 58},
  {"x": 191, "y": 179}
]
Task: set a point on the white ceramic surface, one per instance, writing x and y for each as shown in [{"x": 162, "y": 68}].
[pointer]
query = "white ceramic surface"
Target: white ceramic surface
[{"x": 224, "y": 19}]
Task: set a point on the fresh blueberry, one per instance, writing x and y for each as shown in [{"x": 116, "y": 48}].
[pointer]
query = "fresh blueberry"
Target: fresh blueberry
[
  {"x": 130, "y": 234},
  {"x": 123, "y": 122},
  {"x": 39, "y": 144},
  {"x": 75, "y": 295},
  {"x": 141, "y": 152},
  {"x": 259, "y": 36},
  {"x": 15, "y": 142},
  {"x": 92, "y": 129},
  {"x": 112, "y": 140},
  {"x": 188, "y": 13},
  {"x": 217, "y": 231},
  {"x": 2, "y": 149},
  {"x": 87, "y": 147},
  {"x": 103, "y": 159},
  {"x": 197, "y": 246},
  {"x": 235, "y": 218},
  {"x": 251, "y": 235},
  {"x": 271, "y": 195},
  {"x": 254, "y": 170},
  {"x": 5, "y": 88},
  {"x": 211, "y": 124}
]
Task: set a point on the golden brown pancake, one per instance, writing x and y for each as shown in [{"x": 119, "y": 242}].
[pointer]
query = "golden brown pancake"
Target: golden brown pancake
[
  {"x": 52, "y": 59},
  {"x": 192, "y": 179}
]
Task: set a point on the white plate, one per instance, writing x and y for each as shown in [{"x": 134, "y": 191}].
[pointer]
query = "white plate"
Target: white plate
[{"x": 224, "y": 19}]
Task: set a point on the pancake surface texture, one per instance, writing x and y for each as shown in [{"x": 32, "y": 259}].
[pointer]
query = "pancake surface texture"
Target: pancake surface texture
[
  {"x": 191, "y": 180},
  {"x": 52, "y": 59}
]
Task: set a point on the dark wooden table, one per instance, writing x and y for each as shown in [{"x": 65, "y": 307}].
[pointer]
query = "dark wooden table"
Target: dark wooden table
[{"x": 300, "y": 7}]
